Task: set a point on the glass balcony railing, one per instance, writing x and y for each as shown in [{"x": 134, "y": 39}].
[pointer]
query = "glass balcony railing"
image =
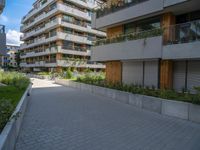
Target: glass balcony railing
[
  {"x": 116, "y": 7},
  {"x": 183, "y": 33},
  {"x": 130, "y": 37}
]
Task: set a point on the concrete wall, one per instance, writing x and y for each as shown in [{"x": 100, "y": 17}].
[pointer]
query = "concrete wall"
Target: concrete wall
[
  {"x": 172, "y": 2},
  {"x": 149, "y": 48},
  {"x": 171, "y": 108},
  {"x": 182, "y": 51}
]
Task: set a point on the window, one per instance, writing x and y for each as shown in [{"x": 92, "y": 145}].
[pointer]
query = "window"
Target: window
[{"x": 148, "y": 24}]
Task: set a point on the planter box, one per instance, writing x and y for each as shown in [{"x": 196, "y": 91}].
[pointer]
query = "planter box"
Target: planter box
[
  {"x": 135, "y": 100},
  {"x": 10, "y": 132},
  {"x": 152, "y": 104},
  {"x": 162, "y": 106},
  {"x": 62, "y": 82},
  {"x": 122, "y": 96},
  {"x": 111, "y": 93},
  {"x": 99, "y": 90},
  {"x": 84, "y": 87},
  {"x": 194, "y": 113},
  {"x": 175, "y": 109}
]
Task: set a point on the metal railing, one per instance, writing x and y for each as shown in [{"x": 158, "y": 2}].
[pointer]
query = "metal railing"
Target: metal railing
[
  {"x": 130, "y": 37},
  {"x": 105, "y": 10},
  {"x": 183, "y": 33}
]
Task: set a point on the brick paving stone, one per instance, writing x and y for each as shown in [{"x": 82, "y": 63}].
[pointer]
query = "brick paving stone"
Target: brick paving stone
[{"x": 63, "y": 118}]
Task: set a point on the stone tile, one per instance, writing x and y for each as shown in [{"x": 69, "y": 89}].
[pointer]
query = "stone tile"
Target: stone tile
[{"x": 62, "y": 118}]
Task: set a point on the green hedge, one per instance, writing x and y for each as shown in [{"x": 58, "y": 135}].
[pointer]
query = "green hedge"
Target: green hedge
[{"x": 149, "y": 91}]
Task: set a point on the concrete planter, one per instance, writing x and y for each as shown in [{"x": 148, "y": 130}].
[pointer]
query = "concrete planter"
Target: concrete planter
[
  {"x": 85, "y": 87},
  {"x": 175, "y": 109},
  {"x": 111, "y": 93},
  {"x": 135, "y": 100},
  {"x": 62, "y": 82},
  {"x": 10, "y": 132},
  {"x": 172, "y": 108},
  {"x": 152, "y": 103},
  {"x": 194, "y": 113},
  {"x": 122, "y": 96},
  {"x": 99, "y": 90}
]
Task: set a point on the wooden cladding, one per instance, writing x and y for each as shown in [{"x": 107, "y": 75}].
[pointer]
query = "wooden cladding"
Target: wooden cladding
[
  {"x": 167, "y": 21},
  {"x": 114, "y": 72},
  {"x": 114, "y": 31},
  {"x": 166, "y": 74}
]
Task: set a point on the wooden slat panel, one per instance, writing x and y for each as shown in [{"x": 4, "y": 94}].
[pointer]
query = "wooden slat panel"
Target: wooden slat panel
[
  {"x": 114, "y": 71},
  {"x": 166, "y": 70}
]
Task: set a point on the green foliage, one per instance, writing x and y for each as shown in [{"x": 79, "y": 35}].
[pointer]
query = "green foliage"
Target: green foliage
[
  {"x": 14, "y": 79},
  {"x": 6, "y": 108},
  {"x": 68, "y": 74},
  {"x": 138, "y": 89},
  {"x": 10, "y": 94},
  {"x": 131, "y": 36},
  {"x": 43, "y": 73}
]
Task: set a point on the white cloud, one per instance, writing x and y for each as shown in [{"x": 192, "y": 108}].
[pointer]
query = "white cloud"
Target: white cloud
[
  {"x": 13, "y": 37},
  {"x": 3, "y": 18}
]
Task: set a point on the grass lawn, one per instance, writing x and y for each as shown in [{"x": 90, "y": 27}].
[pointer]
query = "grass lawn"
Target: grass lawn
[
  {"x": 9, "y": 98},
  {"x": 11, "y": 93}
]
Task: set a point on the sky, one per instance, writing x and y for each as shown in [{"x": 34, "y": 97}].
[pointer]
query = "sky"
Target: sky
[{"x": 11, "y": 18}]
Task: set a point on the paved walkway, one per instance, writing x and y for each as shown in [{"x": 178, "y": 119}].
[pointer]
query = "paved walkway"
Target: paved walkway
[{"x": 61, "y": 118}]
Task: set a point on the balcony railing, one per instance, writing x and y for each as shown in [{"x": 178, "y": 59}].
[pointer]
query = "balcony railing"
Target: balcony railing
[
  {"x": 121, "y": 4},
  {"x": 130, "y": 37},
  {"x": 183, "y": 33}
]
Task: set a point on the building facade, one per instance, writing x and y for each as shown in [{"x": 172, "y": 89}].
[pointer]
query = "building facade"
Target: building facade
[
  {"x": 2, "y": 35},
  {"x": 151, "y": 43},
  {"x": 57, "y": 34},
  {"x": 11, "y": 59},
  {"x": 2, "y": 5}
]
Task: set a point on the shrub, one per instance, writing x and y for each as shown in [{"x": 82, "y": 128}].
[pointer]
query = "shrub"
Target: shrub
[
  {"x": 16, "y": 79},
  {"x": 6, "y": 109}
]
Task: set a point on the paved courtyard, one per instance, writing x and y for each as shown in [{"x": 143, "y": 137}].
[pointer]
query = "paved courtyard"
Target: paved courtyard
[{"x": 62, "y": 118}]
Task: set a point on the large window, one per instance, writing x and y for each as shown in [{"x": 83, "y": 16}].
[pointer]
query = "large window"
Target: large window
[{"x": 139, "y": 26}]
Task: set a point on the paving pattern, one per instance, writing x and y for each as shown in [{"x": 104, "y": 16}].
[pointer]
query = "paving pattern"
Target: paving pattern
[{"x": 62, "y": 118}]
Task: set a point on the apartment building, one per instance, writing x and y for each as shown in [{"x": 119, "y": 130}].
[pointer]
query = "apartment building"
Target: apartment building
[
  {"x": 2, "y": 35},
  {"x": 57, "y": 34},
  {"x": 2, "y": 5},
  {"x": 151, "y": 43},
  {"x": 11, "y": 59}
]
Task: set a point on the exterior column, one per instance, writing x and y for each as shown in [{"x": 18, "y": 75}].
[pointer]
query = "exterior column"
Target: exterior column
[
  {"x": 166, "y": 74},
  {"x": 166, "y": 66},
  {"x": 114, "y": 72},
  {"x": 114, "y": 68}
]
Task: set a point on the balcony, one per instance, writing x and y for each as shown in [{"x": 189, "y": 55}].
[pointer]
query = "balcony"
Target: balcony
[
  {"x": 124, "y": 11},
  {"x": 54, "y": 50},
  {"x": 69, "y": 62},
  {"x": 38, "y": 64},
  {"x": 74, "y": 38},
  {"x": 184, "y": 41},
  {"x": 34, "y": 11},
  {"x": 81, "y": 27},
  {"x": 61, "y": 8},
  {"x": 142, "y": 45},
  {"x": 47, "y": 26}
]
